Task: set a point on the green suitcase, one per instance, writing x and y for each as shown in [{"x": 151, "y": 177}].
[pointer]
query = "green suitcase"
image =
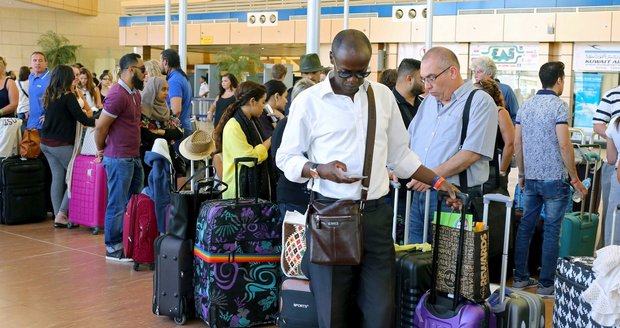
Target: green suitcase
[
  {"x": 578, "y": 234},
  {"x": 579, "y": 228}
]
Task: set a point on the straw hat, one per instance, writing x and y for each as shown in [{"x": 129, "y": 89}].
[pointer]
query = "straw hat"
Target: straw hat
[
  {"x": 160, "y": 146},
  {"x": 197, "y": 146}
]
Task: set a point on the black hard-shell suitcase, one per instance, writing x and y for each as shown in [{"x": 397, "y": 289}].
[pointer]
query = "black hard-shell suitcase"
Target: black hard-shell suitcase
[
  {"x": 173, "y": 292},
  {"x": 516, "y": 309},
  {"x": 22, "y": 189},
  {"x": 413, "y": 271}
]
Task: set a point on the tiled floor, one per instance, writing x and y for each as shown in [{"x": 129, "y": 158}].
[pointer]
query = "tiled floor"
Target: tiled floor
[{"x": 60, "y": 278}]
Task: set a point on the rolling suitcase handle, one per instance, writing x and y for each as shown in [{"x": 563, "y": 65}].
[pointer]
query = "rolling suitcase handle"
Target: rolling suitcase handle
[
  {"x": 613, "y": 223},
  {"x": 487, "y": 199},
  {"x": 396, "y": 186},
  {"x": 253, "y": 160},
  {"x": 459, "y": 262}
]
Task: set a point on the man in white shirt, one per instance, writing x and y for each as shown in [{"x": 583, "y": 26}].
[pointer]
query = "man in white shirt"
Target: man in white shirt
[{"x": 328, "y": 122}]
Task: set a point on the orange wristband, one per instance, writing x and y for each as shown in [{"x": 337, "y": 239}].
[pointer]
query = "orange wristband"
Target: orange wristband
[
  {"x": 438, "y": 183},
  {"x": 574, "y": 182}
]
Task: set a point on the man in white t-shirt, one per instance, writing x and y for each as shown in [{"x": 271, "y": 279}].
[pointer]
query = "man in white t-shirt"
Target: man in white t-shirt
[{"x": 204, "y": 87}]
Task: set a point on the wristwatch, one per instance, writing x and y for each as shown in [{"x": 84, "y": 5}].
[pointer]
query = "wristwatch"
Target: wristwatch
[{"x": 313, "y": 172}]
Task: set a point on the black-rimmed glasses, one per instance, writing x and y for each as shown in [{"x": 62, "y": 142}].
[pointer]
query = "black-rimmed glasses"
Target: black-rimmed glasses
[
  {"x": 141, "y": 68},
  {"x": 432, "y": 79}
]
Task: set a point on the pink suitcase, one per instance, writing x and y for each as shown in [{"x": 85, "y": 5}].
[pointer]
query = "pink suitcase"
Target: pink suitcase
[
  {"x": 88, "y": 193},
  {"x": 140, "y": 231}
]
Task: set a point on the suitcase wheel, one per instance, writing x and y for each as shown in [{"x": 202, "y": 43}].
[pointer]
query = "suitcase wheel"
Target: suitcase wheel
[
  {"x": 96, "y": 230},
  {"x": 70, "y": 225},
  {"x": 180, "y": 320},
  {"x": 152, "y": 266},
  {"x": 136, "y": 266}
]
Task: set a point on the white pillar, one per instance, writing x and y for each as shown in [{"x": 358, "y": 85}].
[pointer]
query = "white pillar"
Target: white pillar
[
  {"x": 183, "y": 33},
  {"x": 346, "y": 14},
  {"x": 313, "y": 24},
  {"x": 429, "y": 24},
  {"x": 167, "y": 25}
]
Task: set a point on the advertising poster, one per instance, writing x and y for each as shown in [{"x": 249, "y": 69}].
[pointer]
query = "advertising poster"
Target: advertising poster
[
  {"x": 509, "y": 57},
  {"x": 596, "y": 57},
  {"x": 587, "y": 96}
]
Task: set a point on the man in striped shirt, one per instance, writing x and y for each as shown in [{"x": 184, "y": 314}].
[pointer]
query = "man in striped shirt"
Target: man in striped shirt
[{"x": 608, "y": 108}]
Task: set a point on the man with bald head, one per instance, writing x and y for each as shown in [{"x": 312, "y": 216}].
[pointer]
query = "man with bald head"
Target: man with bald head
[
  {"x": 325, "y": 141},
  {"x": 436, "y": 133}
]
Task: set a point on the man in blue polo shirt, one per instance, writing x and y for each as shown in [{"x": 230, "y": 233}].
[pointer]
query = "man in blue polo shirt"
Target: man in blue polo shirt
[
  {"x": 38, "y": 81},
  {"x": 179, "y": 90}
]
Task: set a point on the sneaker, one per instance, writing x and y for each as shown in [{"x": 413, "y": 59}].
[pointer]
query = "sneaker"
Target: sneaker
[
  {"x": 545, "y": 292},
  {"x": 521, "y": 284},
  {"x": 118, "y": 256}
]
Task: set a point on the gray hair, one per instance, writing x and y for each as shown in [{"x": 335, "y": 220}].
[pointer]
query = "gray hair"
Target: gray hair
[
  {"x": 300, "y": 86},
  {"x": 486, "y": 65}
]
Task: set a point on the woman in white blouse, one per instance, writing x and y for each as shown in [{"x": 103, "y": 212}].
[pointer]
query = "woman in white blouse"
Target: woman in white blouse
[{"x": 89, "y": 90}]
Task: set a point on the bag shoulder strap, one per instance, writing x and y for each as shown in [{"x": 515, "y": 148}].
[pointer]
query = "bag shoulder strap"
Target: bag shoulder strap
[
  {"x": 24, "y": 91},
  {"x": 466, "y": 110},
  {"x": 370, "y": 141}
]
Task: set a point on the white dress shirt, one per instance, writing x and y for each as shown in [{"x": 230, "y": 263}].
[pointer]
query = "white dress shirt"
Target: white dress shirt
[{"x": 330, "y": 127}]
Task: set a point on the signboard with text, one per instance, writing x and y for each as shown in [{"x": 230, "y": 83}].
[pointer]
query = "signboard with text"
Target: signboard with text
[
  {"x": 508, "y": 57},
  {"x": 596, "y": 57}
]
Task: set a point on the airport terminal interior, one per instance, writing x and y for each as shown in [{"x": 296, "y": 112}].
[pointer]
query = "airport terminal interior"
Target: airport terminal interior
[{"x": 60, "y": 277}]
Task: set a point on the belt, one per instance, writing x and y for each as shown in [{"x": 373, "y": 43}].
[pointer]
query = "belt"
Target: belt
[{"x": 369, "y": 204}]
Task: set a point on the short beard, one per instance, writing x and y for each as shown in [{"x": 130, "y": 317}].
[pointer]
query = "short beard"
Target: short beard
[{"x": 137, "y": 83}]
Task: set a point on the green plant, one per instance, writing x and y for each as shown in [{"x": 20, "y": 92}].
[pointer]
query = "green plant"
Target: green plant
[
  {"x": 57, "y": 49},
  {"x": 234, "y": 61}
]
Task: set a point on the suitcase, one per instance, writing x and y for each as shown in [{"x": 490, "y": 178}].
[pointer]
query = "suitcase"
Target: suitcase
[
  {"x": 579, "y": 229},
  {"x": 297, "y": 308},
  {"x": 513, "y": 309},
  {"x": 574, "y": 274},
  {"x": 22, "y": 189},
  {"x": 435, "y": 310},
  {"x": 140, "y": 231},
  {"x": 89, "y": 193},
  {"x": 589, "y": 164},
  {"x": 413, "y": 268},
  {"x": 173, "y": 292},
  {"x": 237, "y": 261}
]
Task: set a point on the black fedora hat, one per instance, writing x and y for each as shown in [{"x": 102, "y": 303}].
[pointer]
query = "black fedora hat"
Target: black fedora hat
[{"x": 310, "y": 63}]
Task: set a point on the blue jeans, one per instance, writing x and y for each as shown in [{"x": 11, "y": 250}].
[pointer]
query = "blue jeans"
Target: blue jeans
[
  {"x": 553, "y": 194},
  {"x": 416, "y": 216},
  {"x": 125, "y": 177}
]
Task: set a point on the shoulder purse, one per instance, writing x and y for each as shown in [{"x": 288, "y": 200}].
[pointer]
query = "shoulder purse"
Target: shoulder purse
[
  {"x": 30, "y": 146},
  {"x": 336, "y": 226}
]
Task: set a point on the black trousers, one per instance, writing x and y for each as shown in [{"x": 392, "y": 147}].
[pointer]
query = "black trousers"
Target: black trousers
[{"x": 341, "y": 292}]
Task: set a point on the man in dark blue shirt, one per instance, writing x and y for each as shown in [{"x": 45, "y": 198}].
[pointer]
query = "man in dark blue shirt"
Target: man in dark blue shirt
[
  {"x": 179, "y": 90},
  {"x": 38, "y": 81}
]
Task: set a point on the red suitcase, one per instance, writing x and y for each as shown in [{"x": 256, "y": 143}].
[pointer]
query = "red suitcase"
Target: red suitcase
[
  {"x": 88, "y": 193},
  {"x": 140, "y": 231}
]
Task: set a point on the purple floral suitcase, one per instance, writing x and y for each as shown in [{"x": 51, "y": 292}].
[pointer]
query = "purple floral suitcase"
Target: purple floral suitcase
[{"x": 236, "y": 262}]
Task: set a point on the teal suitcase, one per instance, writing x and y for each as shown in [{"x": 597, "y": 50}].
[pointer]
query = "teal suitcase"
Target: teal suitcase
[
  {"x": 579, "y": 229},
  {"x": 578, "y": 234}
]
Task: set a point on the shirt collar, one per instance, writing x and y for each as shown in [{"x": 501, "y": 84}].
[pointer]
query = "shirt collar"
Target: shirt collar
[
  {"x": 546, "y": 92},
  {"x": 326, "y": 86},
  {"x": 42, "y": 75},
  {"x": 126, "y": 87}
]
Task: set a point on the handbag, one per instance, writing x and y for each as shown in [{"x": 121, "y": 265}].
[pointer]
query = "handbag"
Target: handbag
[
  {"x": 293, "y": 244},
  {"x": 89, "y": 147},
  {"x": 185, "y": 204},
  {"x": 30, "y": 146},
  {"x": 336, "y": 226}
]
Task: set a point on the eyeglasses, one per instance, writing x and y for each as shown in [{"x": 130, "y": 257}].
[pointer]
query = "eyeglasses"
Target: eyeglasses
[
  {"x": 345, "y": 74},
  {"x": 432, "y": 79},
  {"x": 141, "y": 68}
]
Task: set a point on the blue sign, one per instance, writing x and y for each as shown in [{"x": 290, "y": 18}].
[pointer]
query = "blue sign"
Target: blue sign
[{"x": 587, "y": 97}]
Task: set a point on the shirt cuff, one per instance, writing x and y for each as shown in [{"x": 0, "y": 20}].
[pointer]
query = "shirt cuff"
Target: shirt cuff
[
  {"x": 109, "y": 114},
  {"x": 295, "y": 168},
  {"x": 407, "y": 167}
]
